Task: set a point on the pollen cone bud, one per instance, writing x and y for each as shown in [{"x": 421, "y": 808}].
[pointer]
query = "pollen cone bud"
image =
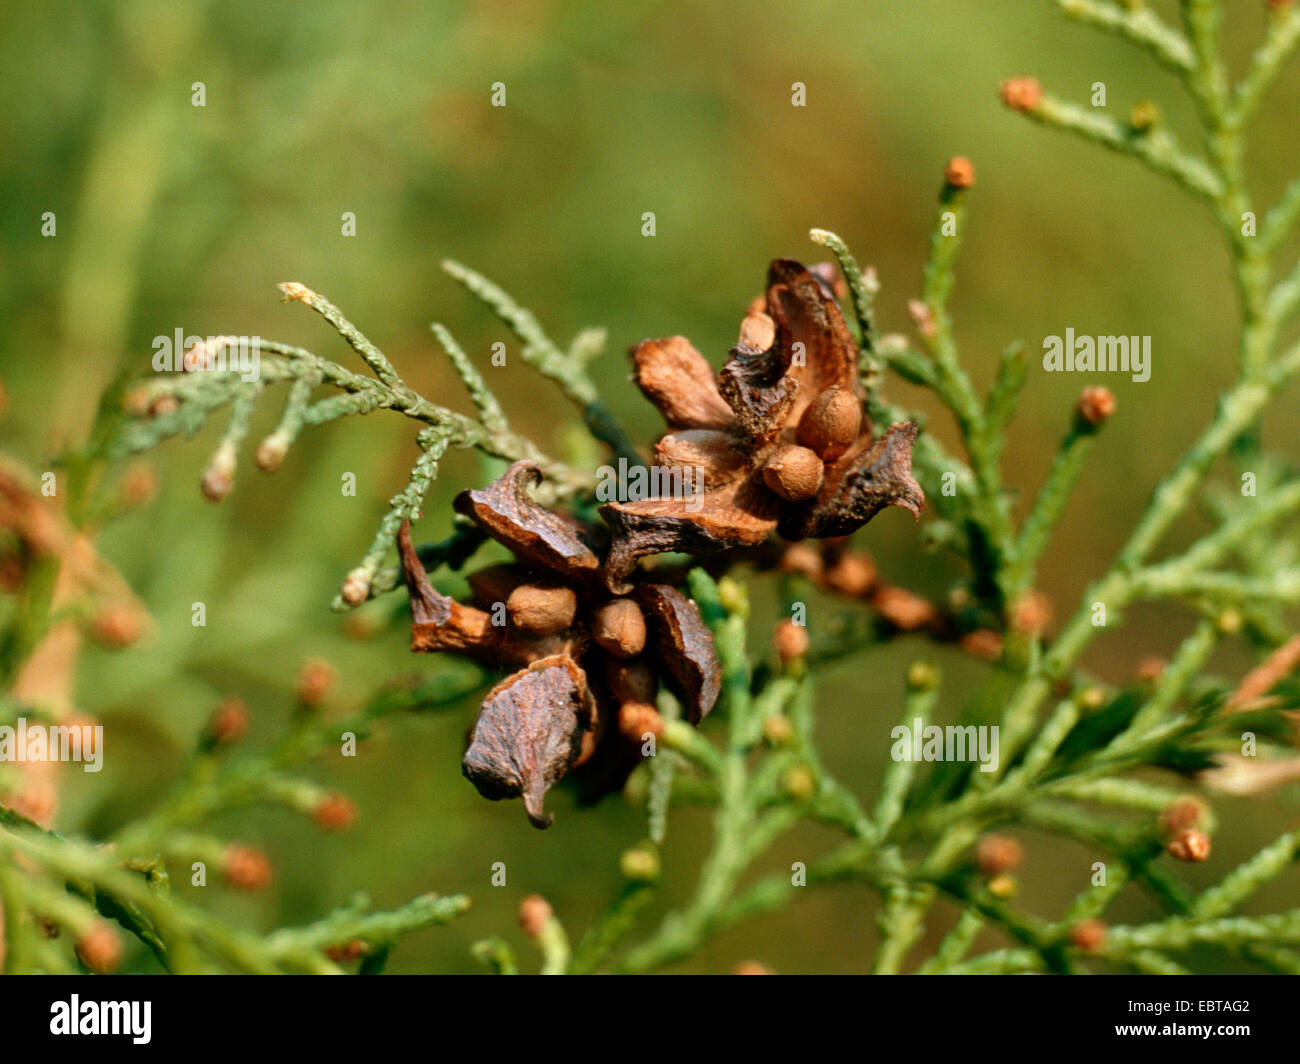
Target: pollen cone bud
[
  {"x": 960, "y": 172},
  {"x": 1190, "y": 845},
  {"x": 315, "y": 681},
  {"x": 996, "y": 854},
  {"x": 794, "y": 473},
  {"x": 619, "y": 628},
  {"x": 1022, "y": 94},
  {"x": 247, "y": 868},
  {"x": 1088, "y": 935},
  {"x": 831, "y": 423},
  {"x": 1096, "y": 405},
  {"x": 535, "y": 913},
  {"x": 100, "y": 948},
  {"x": 790, "y": 641},
  {"x": 334, "y": 812},
  {"x": 229, "y": 721}
]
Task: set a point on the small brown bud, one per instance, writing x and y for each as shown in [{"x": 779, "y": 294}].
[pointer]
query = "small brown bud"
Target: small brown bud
[
  {"x": 1149, "y": 670},
  {"x": 790, "y": 641},
  {"x": 100, "y": 948},
  {"x": 960, "y": 172},
  {"x": 983, "y": 643},
  {"x": 1022, "y": 94},
  {"x": 541, "y": 610},
  {"x": 343, "y": 952},
  {"x": 619, "y": 628},
  {"x": 1190, "y": 845},
  {"x": 831, "y": 423},
  {"x": 794, "y": 473},
  {"x": 229, "y": 721},
  {"x": 803, "y": 559},
  {"x": 334, "y": 812},
  {"x": 1181, "y": 814},
  {"x": 903, "y": 609},
  {"x": 1031, "y": 613},
  {"x": 853, "y": 574},
  {"x": 1096, "y": 405},
  {"x": 1088, "y": 935},
  {"x": 535, "y": 913},
  {"x": 138, "y": 485},
  {"x": 117, "y": 626},
  {"x": 315, "y": 681},
  {"x": 635, "y": 719},
  {"x": 247, "y": 868},
  {"x": 996, "y": 854},
  {"x": 752, "y": 968}
]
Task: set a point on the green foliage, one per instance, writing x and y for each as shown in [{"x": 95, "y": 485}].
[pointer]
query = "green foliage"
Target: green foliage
[{"x": 1082, "y": 760}]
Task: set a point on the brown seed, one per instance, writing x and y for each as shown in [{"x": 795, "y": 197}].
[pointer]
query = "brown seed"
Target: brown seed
[
  {"x": 1088, "y": 935},
  {"x": 997, "y": 854},
  {"x": 790, "y": 641},
  {"x": 794, "y": 473},
  {"x": 831, "y": 423},
  {"x": 1190, "y": 845},
  {"x": 619, "y": 628},
  {"x": 635, "y": 719},
  {"x": 535, "y": 913},
  {"x": 541, "y": 610}
]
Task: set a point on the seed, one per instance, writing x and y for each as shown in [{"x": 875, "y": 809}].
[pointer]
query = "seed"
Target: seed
[
  {"x": 619, "y": 628},
  {"x": 541, "y": 610},
  {"x": 831, "y": 423},
  {"x": 794, "y": 473}
]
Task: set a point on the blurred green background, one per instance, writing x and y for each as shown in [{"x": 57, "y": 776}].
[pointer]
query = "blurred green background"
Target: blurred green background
[{"x": 174, "y": 216}]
